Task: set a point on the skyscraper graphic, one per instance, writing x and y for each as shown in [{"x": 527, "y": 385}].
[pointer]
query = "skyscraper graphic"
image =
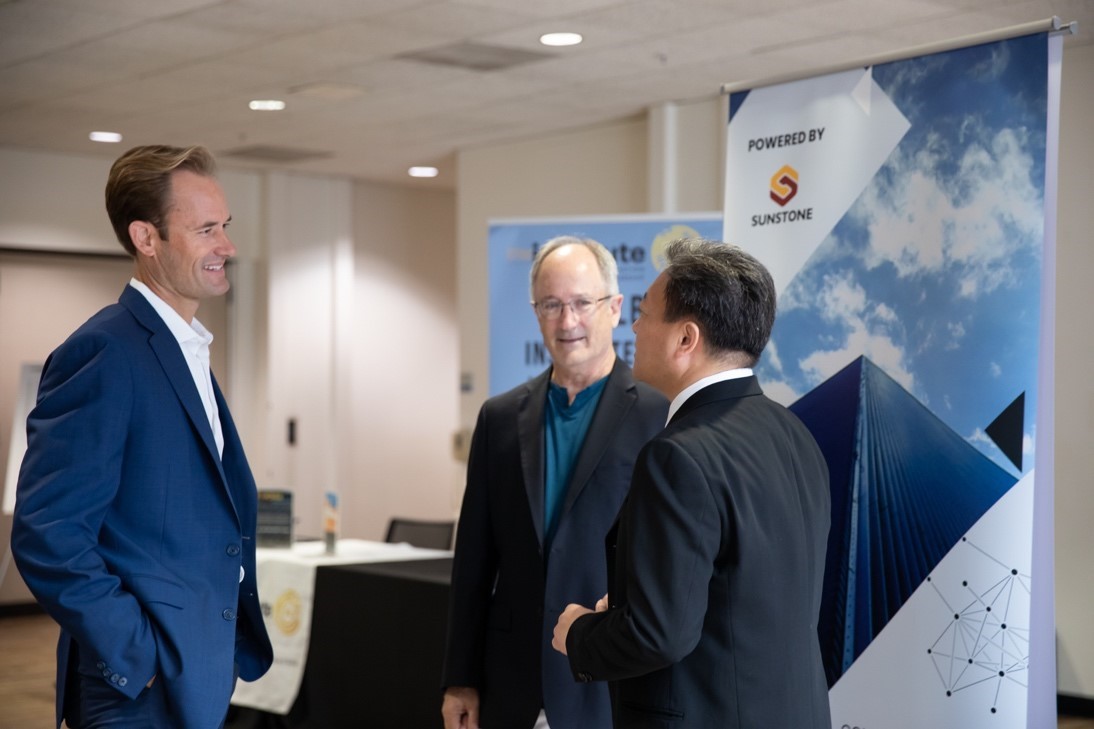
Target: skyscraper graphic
[{"x": 905, "y": 489}]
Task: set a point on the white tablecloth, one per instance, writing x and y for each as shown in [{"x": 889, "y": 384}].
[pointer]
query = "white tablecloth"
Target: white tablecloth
[{"x": 286, "y": 587}]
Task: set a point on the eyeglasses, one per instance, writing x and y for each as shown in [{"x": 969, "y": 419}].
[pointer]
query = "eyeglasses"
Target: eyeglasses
[{"x": 551, "y": 309}]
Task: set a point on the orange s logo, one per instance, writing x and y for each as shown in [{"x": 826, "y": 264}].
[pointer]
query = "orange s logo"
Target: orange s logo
[{"x": 784, "y": 185}]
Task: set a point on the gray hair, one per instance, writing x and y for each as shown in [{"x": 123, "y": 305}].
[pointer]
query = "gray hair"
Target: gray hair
[{"x": 609, "y": 271}]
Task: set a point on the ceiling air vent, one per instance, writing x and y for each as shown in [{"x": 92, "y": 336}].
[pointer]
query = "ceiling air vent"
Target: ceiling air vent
[
  {"x": 272, "y": 153},
  {"x": 476, "y": 56}
]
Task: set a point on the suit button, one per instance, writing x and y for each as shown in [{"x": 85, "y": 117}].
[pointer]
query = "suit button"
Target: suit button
[
  {"x": 233, "y": 550},
  {"x": 228, "y": 614},
  {"x": 100, "y": 665},
  {"x": 123, "y": 681},
  {"x": 114, "y": 678}
]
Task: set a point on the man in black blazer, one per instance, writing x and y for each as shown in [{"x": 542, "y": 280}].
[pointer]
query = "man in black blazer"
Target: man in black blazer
[
  {"x": 550, "y": 465},
  {"x": 711, "y": 617}
]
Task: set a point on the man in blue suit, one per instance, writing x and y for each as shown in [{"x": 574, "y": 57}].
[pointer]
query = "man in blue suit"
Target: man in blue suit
[
  {"x": 549, "y": 467},
  {"x": 135, "y": 511}
]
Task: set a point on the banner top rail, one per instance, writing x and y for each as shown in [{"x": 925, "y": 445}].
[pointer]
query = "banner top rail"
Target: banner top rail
[{"x": 1048, "y": 25}]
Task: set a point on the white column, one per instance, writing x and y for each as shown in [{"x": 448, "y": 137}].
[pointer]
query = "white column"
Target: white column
[
  {"x": 310, "y": 252},
  {"x": 663, "y": 130}
]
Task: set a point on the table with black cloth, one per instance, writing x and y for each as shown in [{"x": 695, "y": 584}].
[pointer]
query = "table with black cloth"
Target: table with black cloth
[{"x": 375, "y": 648}]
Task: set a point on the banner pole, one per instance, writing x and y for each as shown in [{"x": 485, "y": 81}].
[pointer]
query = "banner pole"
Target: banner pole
[{"x": 1048, "y": 25}]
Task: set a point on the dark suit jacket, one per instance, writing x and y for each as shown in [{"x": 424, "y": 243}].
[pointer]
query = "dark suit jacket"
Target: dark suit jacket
[
  {"x": 718, "y": 568},
  {"x": 129, "y": 528},
  {"x": 506, "y": 594}
]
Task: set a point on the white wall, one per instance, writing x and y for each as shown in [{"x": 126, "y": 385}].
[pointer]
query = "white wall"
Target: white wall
[
  {"x": 363, "y": 351},
  {"x": 404, "y": 330},
  {"x": 1074, "y": 385},
  {"x": 54, "y": 202},
  {"x": 687, "y": 174},
  {"x": 310, "y": 239}
]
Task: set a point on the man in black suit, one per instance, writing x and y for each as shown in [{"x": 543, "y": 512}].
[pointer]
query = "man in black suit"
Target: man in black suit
[
  {"x": 715, "y": 586},
  {"x": 550, "y": 465}
]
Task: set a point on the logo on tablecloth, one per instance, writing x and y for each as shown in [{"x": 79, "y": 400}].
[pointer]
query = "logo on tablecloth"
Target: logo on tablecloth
[{"x": 287, "y": 611}]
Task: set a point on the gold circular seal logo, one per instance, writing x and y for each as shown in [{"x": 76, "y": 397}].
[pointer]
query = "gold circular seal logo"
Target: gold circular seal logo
[
  {"x": 287, "y": 612},
  {"x": 662, "y": 240}
]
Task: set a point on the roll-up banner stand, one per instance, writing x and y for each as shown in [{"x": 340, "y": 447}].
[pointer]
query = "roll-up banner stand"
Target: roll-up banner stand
[{"x": 906, "y": 210}]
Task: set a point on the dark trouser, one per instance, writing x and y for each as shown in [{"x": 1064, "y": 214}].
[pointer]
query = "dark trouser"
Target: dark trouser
[
  {"x": 98, "y": 704},
  {"x": 93, "y": 703}
]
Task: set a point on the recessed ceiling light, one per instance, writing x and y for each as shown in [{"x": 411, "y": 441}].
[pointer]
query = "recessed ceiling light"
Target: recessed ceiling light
[
  {"x": 112, "y": 137},
  {"x": 560, "y": 39},
  {"x": 422, "y": 172},
  {"x": 267, "y": 105},
  {"x": 327, "y": 90}
]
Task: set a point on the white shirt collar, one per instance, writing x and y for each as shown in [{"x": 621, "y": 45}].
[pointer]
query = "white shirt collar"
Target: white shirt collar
[
  {"x": 179, "y": 327},
  {"x": 695, "y": 387}
]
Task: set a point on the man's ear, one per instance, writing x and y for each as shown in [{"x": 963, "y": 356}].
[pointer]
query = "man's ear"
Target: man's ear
[
  {"x": 689, "y": 339},
  {"x": 616, "y": 305},
  {"x": 143, "y": 234}
]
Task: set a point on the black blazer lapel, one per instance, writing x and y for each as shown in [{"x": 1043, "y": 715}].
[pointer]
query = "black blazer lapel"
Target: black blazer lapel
[
  {"x": 615, "y": 402},
  {"x": 530, "y": 440}
]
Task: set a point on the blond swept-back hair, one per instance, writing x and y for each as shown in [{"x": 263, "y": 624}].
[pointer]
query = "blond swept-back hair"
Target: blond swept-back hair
[{"x": 139, "y": 185}]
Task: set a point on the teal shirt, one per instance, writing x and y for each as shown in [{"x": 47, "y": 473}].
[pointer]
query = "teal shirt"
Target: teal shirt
[{"x": 564, "y": 432}]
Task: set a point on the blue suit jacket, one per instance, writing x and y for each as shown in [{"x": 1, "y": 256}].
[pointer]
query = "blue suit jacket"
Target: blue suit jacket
[
  {"x": 129, "y": 529},
  {"x": 506, "y": 593}
]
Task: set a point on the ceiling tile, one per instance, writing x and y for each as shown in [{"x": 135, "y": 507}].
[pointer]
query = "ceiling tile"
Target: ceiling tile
[{"x": 183, "y": 70}]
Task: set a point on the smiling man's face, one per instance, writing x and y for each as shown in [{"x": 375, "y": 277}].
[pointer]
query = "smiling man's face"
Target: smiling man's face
[
  {"x": 579, "y": 345},
  {"x": 189, "y": 265}
]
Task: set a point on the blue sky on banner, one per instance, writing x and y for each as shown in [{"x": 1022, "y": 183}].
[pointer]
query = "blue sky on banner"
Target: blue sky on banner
[{"x": 934, "y": 272}]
